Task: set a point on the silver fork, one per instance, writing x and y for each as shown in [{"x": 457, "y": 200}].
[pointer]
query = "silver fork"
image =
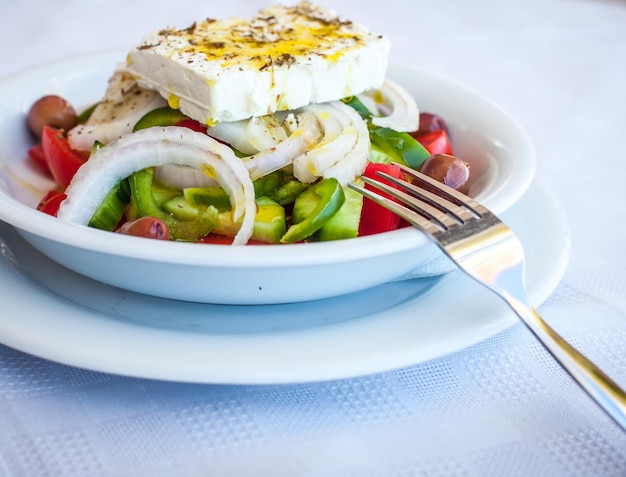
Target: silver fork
[{"x": 490, "y": 253}]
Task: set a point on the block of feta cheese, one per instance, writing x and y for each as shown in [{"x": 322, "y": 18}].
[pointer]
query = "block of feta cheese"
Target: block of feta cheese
[{"x": 283, "y": 58}]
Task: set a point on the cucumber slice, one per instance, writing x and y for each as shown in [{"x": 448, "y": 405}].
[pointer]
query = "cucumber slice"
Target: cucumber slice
[
  {"x": 345, "y": 223},
  {"x": 181, "y": 208},
  {"x": 270, "y": 222},
  {"x": 112, "y": 208}
]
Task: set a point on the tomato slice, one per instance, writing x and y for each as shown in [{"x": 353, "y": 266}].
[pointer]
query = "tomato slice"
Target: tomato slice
[
  {"x": 62, "y": 160},
  {"x": 436, "y": 142},
  {"x": 51, "y": 202},
  {"x": 193, "y": 125},
  {"x": 374, "y": 217},
  {"x": 38, "y": 157}
]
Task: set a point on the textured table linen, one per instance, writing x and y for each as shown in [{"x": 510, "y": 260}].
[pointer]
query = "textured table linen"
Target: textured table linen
[{"x": 499, "y": 408}]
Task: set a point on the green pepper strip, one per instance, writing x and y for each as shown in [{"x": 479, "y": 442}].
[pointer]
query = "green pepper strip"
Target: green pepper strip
[
  {"x": 288, "y": 192},
  {"x": 186, "y": 230},
  {"x": 411, "y": 152},
  {"x": 401, "y": 146},
  {"x": 331, "y": 198},
  {"x": 97, "y": 145},
  {"x": 164, "y": 116},
  {"x": 356, "y": 104},
  {"x": 266, "y": 185}
]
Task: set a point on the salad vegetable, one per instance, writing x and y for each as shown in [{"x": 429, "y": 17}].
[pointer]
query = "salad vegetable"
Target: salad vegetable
[
  {"x": 49, "y": 203},
  {"x": 62, "y": 161},
  {"x": 313, "y": 208},
  {"x": 401, "y": 110},
  {"x": 376, "y": 219}
]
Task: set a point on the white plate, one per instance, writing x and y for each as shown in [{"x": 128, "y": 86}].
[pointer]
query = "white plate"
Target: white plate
[
  {"x": 499, "y": 151},
  {"x": 57, "y": 314}
]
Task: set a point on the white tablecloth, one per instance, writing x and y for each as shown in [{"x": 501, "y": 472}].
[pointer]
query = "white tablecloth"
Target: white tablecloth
[{"x": 501, "y": 407}]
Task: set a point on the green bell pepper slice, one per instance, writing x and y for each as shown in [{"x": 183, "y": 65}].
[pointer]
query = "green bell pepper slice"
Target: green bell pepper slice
[
  {"x": 266, "y": 185},
  {"x": 164, "y": 116},
  {"x": 146, "y": 205},
  {"x": 213, "y": 195},
  {"x": 401, "y": 146},
  {"x": 288, "y": 192},
  {"x": 323, "y": 200}
]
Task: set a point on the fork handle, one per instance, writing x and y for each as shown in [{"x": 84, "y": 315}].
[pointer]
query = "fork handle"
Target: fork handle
[{"x": 592, "y": 379}]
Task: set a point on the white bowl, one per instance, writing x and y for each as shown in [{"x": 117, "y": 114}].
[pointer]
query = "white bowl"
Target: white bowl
[{"x": 500, "y": 153}]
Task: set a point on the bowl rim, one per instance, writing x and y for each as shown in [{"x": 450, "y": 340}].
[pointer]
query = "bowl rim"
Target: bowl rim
[{"x": 29, "y": 220}]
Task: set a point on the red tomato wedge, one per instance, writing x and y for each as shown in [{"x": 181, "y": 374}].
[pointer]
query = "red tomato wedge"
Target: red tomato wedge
[
  {"x": 375, "y": 218},
  {"x": 193, "y": 125},
  {"x": 62, "y": 160},
  {"x": 38, "y": 157},
  {"x": 436, "y": 142},
  {"x": 50, "y": 203}
]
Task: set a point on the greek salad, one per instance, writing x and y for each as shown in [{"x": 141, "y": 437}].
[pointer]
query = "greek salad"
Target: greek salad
[{"x": 173, "y": 178}]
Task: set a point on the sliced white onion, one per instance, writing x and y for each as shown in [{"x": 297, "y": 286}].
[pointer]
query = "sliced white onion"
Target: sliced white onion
[
  {"x": 250, "y": 135},
  {"x": 354, "y": 162},
  {"x": 155, "y": 147},
  {"x": 306, "y": 131},
  {"x": 180, "y": 177},
  {"x": 335, "y": 143},
  {"x": 124, "y": 103},
  {"x": 402, "y": 113}
]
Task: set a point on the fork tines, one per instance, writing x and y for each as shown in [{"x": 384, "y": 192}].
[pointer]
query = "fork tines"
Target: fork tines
[{"x": 430, "y": 205}]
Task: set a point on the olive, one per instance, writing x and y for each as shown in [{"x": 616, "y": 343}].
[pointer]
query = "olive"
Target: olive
[
  {"x": 147, "y": 227},
  {"x": 51, "y": 111},
  {"x": 449, "y": 170},
  {"x": 431, "y": 122}
]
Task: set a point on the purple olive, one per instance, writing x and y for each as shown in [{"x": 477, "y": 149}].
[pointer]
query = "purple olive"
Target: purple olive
[
  {"x": 147, "y": 227},
  {"x": 431, "y": 122},
  {"x": 51, "y": 111},
  {"x": 449, "y": 170}
]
